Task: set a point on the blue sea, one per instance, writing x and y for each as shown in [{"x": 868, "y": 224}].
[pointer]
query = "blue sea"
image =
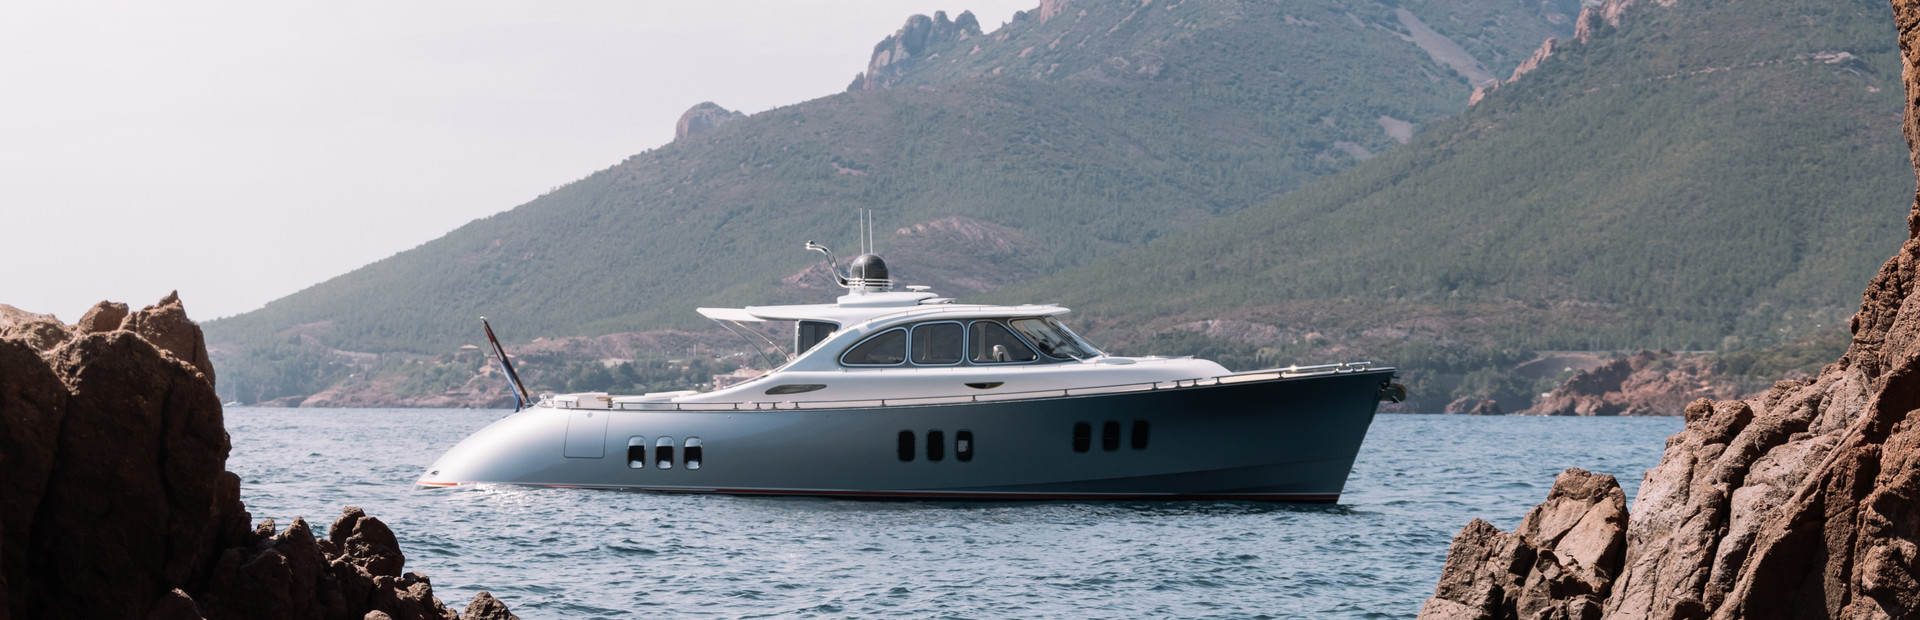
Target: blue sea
[{"x": 577, "y": 553}]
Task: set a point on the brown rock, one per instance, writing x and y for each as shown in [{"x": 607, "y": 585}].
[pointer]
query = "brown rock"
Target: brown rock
[
  {"x": 114, "y": 501},
  {"x": 102, "y": 317},
  {"x": 166, "y": 325},
  {"x": 43, "y": 332},
  {"x": 1559, "y": 564},
  {"x": 700, "y": 118},
  {"x": 1474, "y": 405},
  {"x": 1645, "y": 383},
  {"x": 485, "y": 607}
]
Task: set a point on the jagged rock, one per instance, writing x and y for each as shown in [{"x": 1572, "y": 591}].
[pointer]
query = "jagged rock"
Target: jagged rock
[
  {"x": 43, "y": 332},
  {"x": 102, "y": 317},
  {"x": 1645, "y": 383},
  {"x": 166, "y": 325},
  {"x": 1547, "y": 49},
  {"x": 921, "y": 38},
  {"x": 115, "y": 502},
  {"x": 485, "y": 607},
  {"x": 707, "y": 115},
  {"x": 1559, "y": 564}
]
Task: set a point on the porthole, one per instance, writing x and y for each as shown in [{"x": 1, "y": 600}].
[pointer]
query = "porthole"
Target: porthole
[
  {"x": 636, "y": 452},
  {"x": 1139, "y": 434},
  {"x": 906, "y": 446},
  {"x": 963, "y": 445},
  {"x": 692, "y": 454},
  {"x": 936, "y": 445},
  {"x": 1110, "y": 436},
  {"x": 1082, "y": 436},
  {"x": 663, "y": 453}
]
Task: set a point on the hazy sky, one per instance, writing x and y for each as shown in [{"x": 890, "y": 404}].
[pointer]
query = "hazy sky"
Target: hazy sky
[{"x": 242, "y": 151}]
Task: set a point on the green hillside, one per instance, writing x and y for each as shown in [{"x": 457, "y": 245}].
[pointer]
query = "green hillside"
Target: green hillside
[
  {"x": 1711, "y": 175},
  {"x": 1246, "y": 101}
]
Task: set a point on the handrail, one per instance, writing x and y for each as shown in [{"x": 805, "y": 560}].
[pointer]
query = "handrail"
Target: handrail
[{"x": 1271, "y": 374}]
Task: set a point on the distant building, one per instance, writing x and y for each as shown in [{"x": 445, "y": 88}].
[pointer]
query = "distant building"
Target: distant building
[{"x": 735, "y": 377}]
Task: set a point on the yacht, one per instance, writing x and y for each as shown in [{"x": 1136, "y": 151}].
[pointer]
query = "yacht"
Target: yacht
[{"x": 909, "y": 395}]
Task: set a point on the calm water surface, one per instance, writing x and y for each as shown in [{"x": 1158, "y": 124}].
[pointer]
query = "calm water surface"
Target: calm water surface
[{"x": 574, "y": 553}]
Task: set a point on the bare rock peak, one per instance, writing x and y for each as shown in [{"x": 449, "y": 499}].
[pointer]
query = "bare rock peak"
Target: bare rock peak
[
  {"x": 702, "y": 117},
  {"x": 922, "y": 37}
]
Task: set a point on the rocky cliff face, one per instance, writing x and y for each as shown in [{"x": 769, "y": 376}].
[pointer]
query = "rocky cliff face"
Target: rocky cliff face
[
  {"x": 922, "y": 38},
  {"x": 1645, "y": 383},
  {"x": 1798, "y": 504},
  {"x": 115, "y": 501}
]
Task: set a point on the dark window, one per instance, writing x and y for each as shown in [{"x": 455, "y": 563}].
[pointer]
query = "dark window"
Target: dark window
[
  {"x": 886, "y": 349},
  {"x": 809, "y": 333},
  {"x": 1110, "y": 436},
  {"x": 663, "y": 453},
  {"x": 906, "y": 445},
  {"x": 637, "y": 452},
  {"x": 1082, "y": 436},
  {"x": 936, "y": 445},
  {"x": 1139, "y": 434},
  {"x": 794, "y": 388},
  {"x": 693, "y": 453},
  {"x": 937, "y": 344},
  {"x": 993, "y": 343},
  {"x": 963, "y": 445},
  {"x": 1052, "y": 339}
]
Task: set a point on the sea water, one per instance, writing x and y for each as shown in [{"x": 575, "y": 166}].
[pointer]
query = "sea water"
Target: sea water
[{"x": 578, "y": 553}]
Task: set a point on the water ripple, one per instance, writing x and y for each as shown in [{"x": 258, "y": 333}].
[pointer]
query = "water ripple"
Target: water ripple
[{"x": 575, "y": 553}]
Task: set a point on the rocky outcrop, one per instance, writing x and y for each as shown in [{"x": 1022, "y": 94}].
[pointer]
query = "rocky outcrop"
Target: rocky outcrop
[
  {"x": 1547, "y": 50},
  {"x": 1474, "y": 405},
  {"x": 1798, "y": 504},
  {"x": 1645, "y": 383},
  {"x": 1559, "y": 564},
  {"x": 921, "y": 38},
  {"x": 105, "y": 316},
  {"x": 699, "y": 118},
  {"x": 115, "y": 501}
]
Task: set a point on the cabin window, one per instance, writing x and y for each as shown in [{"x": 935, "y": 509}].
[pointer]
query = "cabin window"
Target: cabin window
[
  {"x": 936, "y": 445},
  {"x": 1082, "y": 437},
  {"x": 906, "y": 446},
  {"x": 1110, "y": 436},
  {"x": 810, "y": 333},
  {"x": 692, "y": 454},
  {"x": 663, "y": 453},
  {"x": 1052, "y": 339},
  {"x": 636, "y": 452},
  {"x": 993, "y": 343},
  {"x": 963, "y": 445},
  {"x": 1139, "y": 434},
  {"x": 937, "y": 344},
  {"x": 888, "y": 348}
]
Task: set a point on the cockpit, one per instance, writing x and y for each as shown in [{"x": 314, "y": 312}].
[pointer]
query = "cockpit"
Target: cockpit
[{"x": 986, "y": 341}]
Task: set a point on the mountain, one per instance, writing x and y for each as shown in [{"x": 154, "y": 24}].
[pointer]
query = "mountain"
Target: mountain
[
  {"x": 1609, "y": 199},
  {"x": 1078, "y": 131}
]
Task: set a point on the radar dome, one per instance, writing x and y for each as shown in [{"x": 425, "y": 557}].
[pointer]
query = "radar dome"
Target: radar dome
[{"x": 868, "y": 267}]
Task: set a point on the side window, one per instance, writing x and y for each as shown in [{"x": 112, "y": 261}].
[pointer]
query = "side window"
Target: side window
[
  {"x": 992, "y": 343},
  {"x": 906, "y": 446},
  {"x": 937, "y": 344},
  {"x": 1082, "y": 436},
  {"x": 693, "y": 453},
  {"x": 637, "y": 452},
  {"x": 888, "y": 348},
  {"x": 1051, "y": 340},
  {"x": 663, "y": 453},
  {"x": 1110, "y": 436},
  {"x": 809, "y": 333},
  {"x": 963, "y": 445}
]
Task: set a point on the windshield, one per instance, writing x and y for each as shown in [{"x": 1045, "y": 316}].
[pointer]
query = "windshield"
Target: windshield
[{"x": 1053, "y": 339}]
